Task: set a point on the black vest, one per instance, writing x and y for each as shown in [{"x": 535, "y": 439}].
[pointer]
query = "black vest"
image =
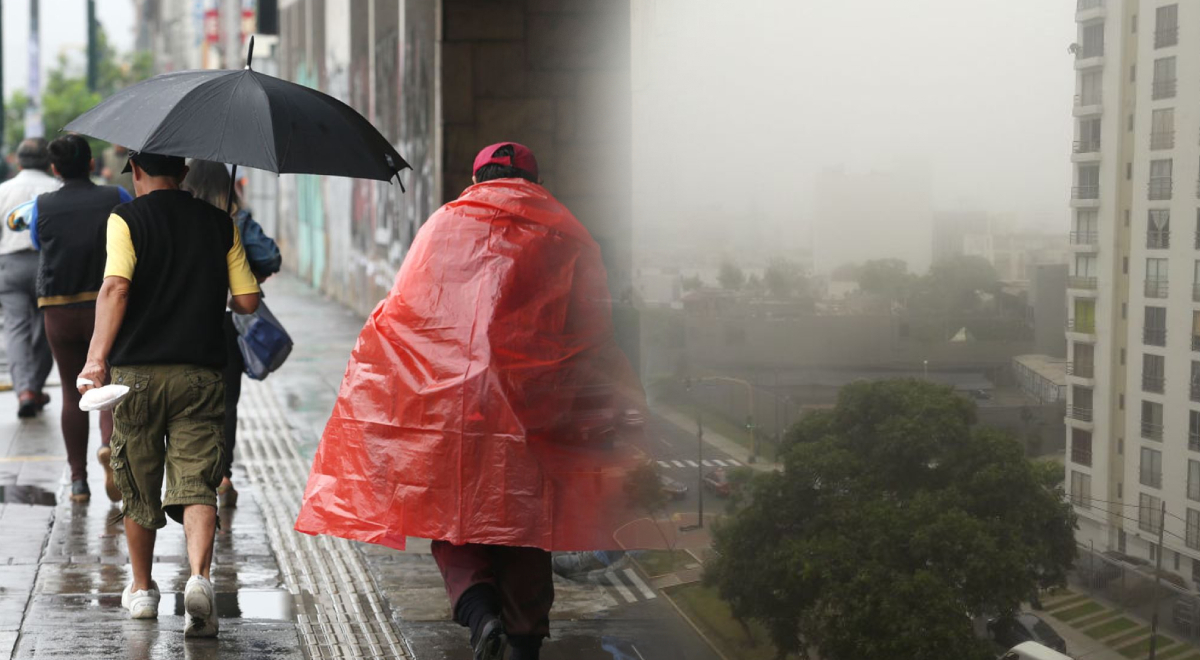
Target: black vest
[
  {"x": 176, "y": 308},
  {"x": 71, "y": 225}
]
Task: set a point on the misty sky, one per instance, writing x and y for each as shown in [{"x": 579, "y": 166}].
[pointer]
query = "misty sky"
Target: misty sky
[
  {"x": 745, "y": 102},
  {"x": 64, "y": 29}
]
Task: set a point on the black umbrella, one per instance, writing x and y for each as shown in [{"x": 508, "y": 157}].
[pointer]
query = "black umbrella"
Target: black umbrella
[{"x": 244, "y": 118}]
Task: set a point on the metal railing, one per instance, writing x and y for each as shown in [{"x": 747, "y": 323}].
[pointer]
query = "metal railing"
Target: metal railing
[
  {"x": 1158, "y": 239},
  {"x": 1081, "y": 414},
  {"x": 1084, "y": 5},
  {"x": 1196, "y": 292},
  {"x": 1081, "y": 282},
  {"x": 1087, "y": 327},
  {"x": 1082, "y": 100},
  {"x": 1193, "y": 441},
  {"x": 1156, "y": 288},
  {"x": 1164, "y": 140},
  {"x": 1196, "y": 342},
  {"x": 1089, "y": 50},
  {"x": 1163, "y": 89},
  {"x": 1081, "y": 369},
  {"x": 1194, "y": 392},
  {"x": 1154, "y": 336},
  {"x": 1087, "y": 146},
  {"x": 1166, "y": 37},
  {"x": 1081, "y": 455},
  {"x": 1152, "y": 431},
  {"x": 1085, "y": 192},
  {"x": 1150, "y": 478},
  {"x": 1093, "y": 237},
  {"x": 1160, "y": 187},
  {"x": 1152, "y": 383},
  {"x": 1197, "y": 244}
]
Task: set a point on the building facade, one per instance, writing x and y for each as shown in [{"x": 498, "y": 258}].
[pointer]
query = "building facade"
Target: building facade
[{"x": 1133, "y": 414}]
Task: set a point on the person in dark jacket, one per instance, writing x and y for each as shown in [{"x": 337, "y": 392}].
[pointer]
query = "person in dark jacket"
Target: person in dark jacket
[
  {"x": 209, "y": 181},
  {"x": 67, "y": 228}
]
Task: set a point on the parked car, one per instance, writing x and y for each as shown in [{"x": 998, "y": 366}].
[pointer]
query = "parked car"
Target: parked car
[
  {"x": 631, "y": 419},
  {"x": 676, "y": 490},
  {"x": 718, "y": 483},
  {"x": 1033, "y": 651},
  {"x": 1023, "y": 627}
]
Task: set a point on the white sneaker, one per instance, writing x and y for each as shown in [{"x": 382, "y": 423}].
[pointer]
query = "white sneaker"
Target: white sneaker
[
  {"x": 141, "y": 604},
  {"x": 200, "y": 608}
]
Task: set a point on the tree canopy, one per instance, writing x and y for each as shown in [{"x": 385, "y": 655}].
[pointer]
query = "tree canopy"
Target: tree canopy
[
  {"x": 784, "y": 278},
  {"x": 894, "y": 521},
  {"x": 731, "y": 277},
  {"x": 887, "y": 278}
]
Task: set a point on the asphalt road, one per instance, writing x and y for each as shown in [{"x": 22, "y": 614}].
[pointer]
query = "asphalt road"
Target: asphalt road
[{"x": 679, "y": 458}]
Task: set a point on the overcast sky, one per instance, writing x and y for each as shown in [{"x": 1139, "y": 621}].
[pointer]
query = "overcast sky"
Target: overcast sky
[
  {"x": 745, "y": 102},
  {"x": 64, "y": 29}
]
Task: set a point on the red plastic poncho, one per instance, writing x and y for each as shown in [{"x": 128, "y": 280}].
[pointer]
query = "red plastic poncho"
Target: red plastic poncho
[{"x": 478, "y": 404}]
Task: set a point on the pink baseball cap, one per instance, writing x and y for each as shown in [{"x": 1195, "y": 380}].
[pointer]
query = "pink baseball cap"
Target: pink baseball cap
[{"x": 522, "y": 158}]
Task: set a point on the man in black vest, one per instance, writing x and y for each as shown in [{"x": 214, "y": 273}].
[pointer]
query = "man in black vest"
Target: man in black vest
[
  {"x": 172, "y": 262},
  {"x": 67, "y": 228}
]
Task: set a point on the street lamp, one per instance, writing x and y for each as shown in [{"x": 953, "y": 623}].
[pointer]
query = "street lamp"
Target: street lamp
[{"x": 926, "y": 364}]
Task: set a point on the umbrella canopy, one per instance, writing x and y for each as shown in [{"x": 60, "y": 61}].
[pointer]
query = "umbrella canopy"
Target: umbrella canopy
[{"x": 246, "y": 118}]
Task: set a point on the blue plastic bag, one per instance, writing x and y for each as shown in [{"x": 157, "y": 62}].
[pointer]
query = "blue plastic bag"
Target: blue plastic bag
[{"x": 265, "y": 345}]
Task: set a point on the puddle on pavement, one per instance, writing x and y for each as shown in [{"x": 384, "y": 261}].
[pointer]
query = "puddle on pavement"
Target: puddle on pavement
[
  {"x": 245, "y": 604},
  {"x": 26, "y": 495}
]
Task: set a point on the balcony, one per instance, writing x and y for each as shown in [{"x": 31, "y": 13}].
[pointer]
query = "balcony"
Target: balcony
[
  {"x": 1156, "y": 288},
  {"x": 1084, "y": 326},
  {"x": 1166, "y": 37},
  {"x": 1152, "y": 431},
  {"x": 1093, "y": 237},
  {"x": 1158, "y": 239},
  {"x": 1081, "y": 455},
  {"x": 1081, "y": 414},
  {"x": 1154, "y": 336},
  {"x": 1163, "y": 89},
  {"x": 1085, "y": 192},
  {"x": 1150, "y": 478},
  {"x": 1152, "y": 383},
  {"x": 1194, "y": 392},
  {"x": 1081, "y": 282},
  {"x": 1196, "y": 292},
  {"x": 1086, "y": 100},
  {"x": 1160, "y": 187},
  {"x": 1164, "y": 140},
  {"x": 1194, "y": 441},
  {"x": 1085, "y": 5},
  {"x": 1087, "y": 146},
  {"x": 1196, "y": 342},
  {"x": 1081, "y": 369}
]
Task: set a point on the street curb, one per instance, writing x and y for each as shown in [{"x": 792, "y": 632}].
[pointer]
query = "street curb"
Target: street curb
[{"x": 667, "y": 596}]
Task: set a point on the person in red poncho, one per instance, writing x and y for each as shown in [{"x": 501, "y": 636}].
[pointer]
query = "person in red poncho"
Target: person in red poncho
[{"x": 477, "y": 407}]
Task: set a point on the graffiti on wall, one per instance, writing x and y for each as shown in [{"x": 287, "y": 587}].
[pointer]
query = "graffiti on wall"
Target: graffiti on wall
[{"x": 310, "y": 211}]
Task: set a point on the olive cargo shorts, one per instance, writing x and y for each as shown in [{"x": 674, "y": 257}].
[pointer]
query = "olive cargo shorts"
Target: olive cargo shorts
[{"x": 173, "y": 419}]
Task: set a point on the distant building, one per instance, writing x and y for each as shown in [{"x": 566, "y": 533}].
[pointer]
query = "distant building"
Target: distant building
[
  {"x": 1048, "y": 308},
  {"x": 873, "y": 215},
  {"x": 1134, "y": 374},
  {"x": 949, "y": 228}
]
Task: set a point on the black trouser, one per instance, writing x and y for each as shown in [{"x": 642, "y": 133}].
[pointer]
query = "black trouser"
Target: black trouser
[
  {"x": 69, "y": 331},
  {"x": 234, "y": 367}
]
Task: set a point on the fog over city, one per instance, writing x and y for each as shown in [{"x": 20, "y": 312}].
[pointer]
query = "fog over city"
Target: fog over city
[{"x": 747, "y": 114}]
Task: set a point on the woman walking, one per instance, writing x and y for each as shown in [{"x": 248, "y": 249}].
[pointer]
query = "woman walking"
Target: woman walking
[{"x": 209, "y": 181}]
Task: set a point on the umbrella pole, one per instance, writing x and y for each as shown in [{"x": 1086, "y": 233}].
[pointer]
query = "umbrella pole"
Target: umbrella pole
[{"x": 229, "y": 197}]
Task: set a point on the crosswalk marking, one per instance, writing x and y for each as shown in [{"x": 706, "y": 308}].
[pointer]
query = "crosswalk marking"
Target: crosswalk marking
[
  {"x": 718, "y": 462},
  {"x": 692, "y": 464},
  {"x": 732, "y": 462},
  {"x": 664, "y": 464},
  {"x": 616, "y": 583},
  {"x": 647, "y": 592},
  {"x": 678, "y": 463},
  {"x": 707, "y": 463}
]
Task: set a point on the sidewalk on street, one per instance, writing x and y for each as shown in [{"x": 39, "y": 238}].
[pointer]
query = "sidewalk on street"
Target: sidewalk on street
[{"x": 712, "y": 438}]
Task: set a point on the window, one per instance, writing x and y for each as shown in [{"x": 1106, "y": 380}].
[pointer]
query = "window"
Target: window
[
  {"x": 1085, "y": 231},
  {"x": 1093, "y": 40},
  {"x": 1081, "y": 490},
  {"x": 1194, "y": 430},
  {"x": 1090, "y": 87},
  {"x": 1081, "y": 404},
  {"x": 1162, "y": 128},
  {"x": 1085, "y": 316},
  {"x": 1083, "y": 364},
  {"x": 1152, "y": 420},
  {"x": 1154, "y": 328},
  {"x": 1084, "y": 275},
  {"x": 1194, "y": 385},
  {"x": 1081, "y": 447},
  {"x": 1153, "y": 368},
  {"x": 1166, "y": 27},
  {"x": 1156, "y": 278},
  {"x": 1164, "y": 78},
  {"x": 1161, "y": 181},
  {"x": 1150, "y": 473},
  {"x": 1196, "y": 330},
  {"x": 1196, "y": 281},
  {"x": 1089, "y": 182},
  {"x": 1149, "y": 514},
  {"x": 1192, "y": 536},
  {"x": 1158, "y": 229},
  {"x": 1193, "y": 481},
  {"x": 1089, "y": 136}
]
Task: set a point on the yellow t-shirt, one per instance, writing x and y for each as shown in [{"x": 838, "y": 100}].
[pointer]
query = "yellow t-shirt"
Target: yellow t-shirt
[{"x": 122, "y": 258}]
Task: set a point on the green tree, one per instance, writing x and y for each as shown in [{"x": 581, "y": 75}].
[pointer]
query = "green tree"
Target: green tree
[
  {"x": 731, "y": 277},
  {"x": 894, "y": 521},
  {"x": 692, "y": 283},
  {"x": 784, "y": 278},
  {"x": 887, "y": 278},
  {"x": 643, "y": 488}
]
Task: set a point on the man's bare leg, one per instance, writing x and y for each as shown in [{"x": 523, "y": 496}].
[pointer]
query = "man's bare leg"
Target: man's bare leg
[
  {"x": 141, "y": 553},
  {"x": 200, "y": 528}
]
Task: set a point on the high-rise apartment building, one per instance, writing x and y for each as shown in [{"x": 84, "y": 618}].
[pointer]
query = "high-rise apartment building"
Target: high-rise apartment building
[{"x": 1133, "y": 331}]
